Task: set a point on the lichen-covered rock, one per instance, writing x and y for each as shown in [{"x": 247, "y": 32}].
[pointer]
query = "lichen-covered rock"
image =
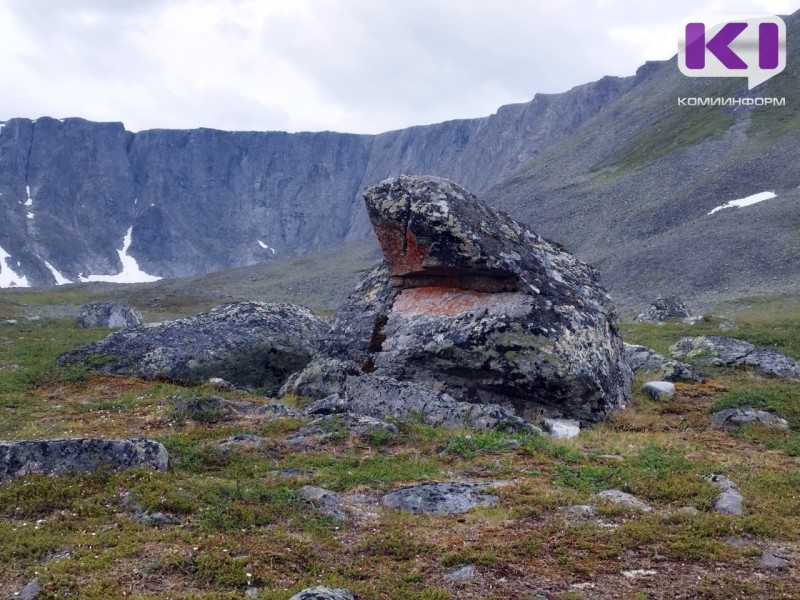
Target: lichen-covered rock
[
  {"x": 107, "y": 314},
  {"x": 78, "y": 455},
  {"x": 665, "y": 308},
  {"x": 642, "y": 359},
  {"x": 730, "y": 500},
  {"x": 624, "y": 498},
  {"x": 324, "y": 501},
  {"x": 249, "y": 343},
  {"x": 720, "y": 351},
  {"x": 472, "y": 304},
  {"x": 212, "y": 409},
  {"x": 322, "y": 377},
  {"x": 440, "y": 498}
]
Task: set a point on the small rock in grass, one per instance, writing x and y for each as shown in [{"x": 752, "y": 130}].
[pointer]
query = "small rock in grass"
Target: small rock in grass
[
  {"x": 773, "y": 562},
  {"x": 324, "y": 501},
  {"x": 688, "y": 510},
  {"x": 659, "y": 390},
  {"x": 732, "y": 419},
  {"x": 322, "y": 592},
  {"x": 31, "y": 591},
  {"x": 440, "y": 498},
  {"x": 465, "y": 573},
  {"x": 730, "y": 500},
  {"x": 581, "y": 511}
]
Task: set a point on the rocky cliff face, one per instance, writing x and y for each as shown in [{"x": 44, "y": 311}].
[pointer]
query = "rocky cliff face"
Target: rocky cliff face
[{"x": 202, "y": 200}]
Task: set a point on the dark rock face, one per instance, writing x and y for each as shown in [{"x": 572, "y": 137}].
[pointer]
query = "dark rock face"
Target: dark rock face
[
  {"x": 641, "y": 359},
  {"x": 65, "y": 456},
  {"x": 106, "y": 314},
  {"x": 249, "y": 344},
  {"x": 471, "y": 303},
  {"x": 440, "y": 498},
  {"x": 719, "y": 351},
  {"x": 669, "y": 308}
]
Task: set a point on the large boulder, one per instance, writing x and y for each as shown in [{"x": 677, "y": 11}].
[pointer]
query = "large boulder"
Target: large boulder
[
  {"x": 107, "y": 314},
  {"x": 472, "y": 304},
  {"x": 250, "y": 344},
  {"x": 665, "y": 308},
  {"x": 78, "y": 455}
]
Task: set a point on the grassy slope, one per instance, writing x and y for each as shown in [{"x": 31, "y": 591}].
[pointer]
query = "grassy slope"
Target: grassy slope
[{"x": 241, "y": 514}]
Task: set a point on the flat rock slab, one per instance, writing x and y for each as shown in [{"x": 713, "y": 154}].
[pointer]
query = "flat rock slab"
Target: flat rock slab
[
  {"x": 323, "y": 593},
  {"x": 447, "y": 498},
  {"x": 661, "y": 391},
  {"x": 620, "y": 497},
  {"x": 324, "y": 501},
  {"x": 731, "y": 419},
  {"x": 562, "y": 429},
  {"x": 773, "y": 562},
  {"x": 78, "y": 455},
  {"x": 730, "y": 500},
  {"x": 250, "y": 344}
]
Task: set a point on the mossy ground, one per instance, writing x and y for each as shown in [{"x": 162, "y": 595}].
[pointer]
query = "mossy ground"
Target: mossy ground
[{"x": 241, "y": 514}]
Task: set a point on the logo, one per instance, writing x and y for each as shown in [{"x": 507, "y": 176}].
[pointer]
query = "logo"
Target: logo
[{"x": 754, "y": 48}]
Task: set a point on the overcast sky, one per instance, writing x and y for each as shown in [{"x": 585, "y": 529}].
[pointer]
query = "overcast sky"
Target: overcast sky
[{"x": 361, "y": 66}]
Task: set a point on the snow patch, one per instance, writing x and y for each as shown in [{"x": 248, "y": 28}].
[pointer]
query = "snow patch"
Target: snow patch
[
  {"x": 131, "y": 273},
  {"x": 266, "y": 247},
  {"x": 60, "y": 279},
  {"x": 749, "y": 200},
  {"x": 1, "y": 127},
  {"x": 29, "y": 201},
  {"x": 30, "y": 215},
  {"x": 8, "y": 277}
]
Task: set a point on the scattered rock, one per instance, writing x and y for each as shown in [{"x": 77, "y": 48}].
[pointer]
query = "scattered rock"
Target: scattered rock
[
  {"x": 324, "y": 501},
  {"x": 382, "y": 397},
  {"x": 614, "y": 457},
  {"x": 440, "y": 498},
  {"x": 337, "y": 427},
  {"x": 10, "y": 322},
  {"x": 642, "y": 359},
  {"x": 689, "y": 511},
  {"x": 731, "y": 419},
  {"x": 250, "y": 344},
  {"x": 562, "y": 429},
  {"x": 107, "y": 314},
  {"x": 329, "y": 405},
  {"x": 634, "y": 573},
  {"x": 773, "y": 562},
  {"x": 738, "y": 542},
  {"x": 474, "y": 305},
  {"x": 620, "y": 497},
  {"x": 251, "y": 592},
  {"x": 661, "y": 391},
  {"x": 31, "y": 591},
  {"x": 719, "y": 351},
  {"x": 465, "y": 573},
  {"x": 213, "y": 409},
  {"x": 323, "y": 593},
  {"x": 726, "y": 325},
  {"x": 664, "y": 308},
  {"x": 220, "y": 383},
  {"x": 140, "y": 515},
  {"x": 78, "y": 455},
  {"x": 730, "y": 500}
]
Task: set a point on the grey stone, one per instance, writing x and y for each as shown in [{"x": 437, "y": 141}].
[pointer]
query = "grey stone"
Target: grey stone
[
  {"x": 562, "y": 429},
  {"x": 726, "y": 325},
  {"x": 107, "y": 314},
  {"x": 474, "y": 305},
  {"x": 773, "y": 562},
  {"x": 730, "y": 500},
  {"x": 321, "y": 592},
  {"x": 140, "y": 515},
  {"x": 665, "y": 308},
  {"x": 31, "y": 591},
  {"x": 689, "y": 511},
  {"x": 321, "y": 378},
  {"x": 329, "y": 405},
  {"x": 738, "y": 542},
  {"x": 581, "y": 511},
  {"x": 661, "y": 391},
  {"x": 324, "y": 501},
  {"x": 731, "y": 419},
  {"x": 620, "y": 497},
  {"x": 78, "y": 455},
  {"x": 249, "y": 344},
  {"x": 722, "y": 351},
  {"x": 252, "y": 592},
  {"x": 381, "y": 396},
  {"x": 465, "y": 573},
  {"x": 440, "y": 498},
  {"x": 241, "y": 440},
  {"x": 643, "y": 360}
]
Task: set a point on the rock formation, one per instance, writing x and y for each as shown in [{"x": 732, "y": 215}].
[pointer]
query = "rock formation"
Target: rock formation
[
  {"x": 249, "y": 344},
  {"x": 472, "y": 304},
  {"x": 106, "y": 314},
  {"x": 720, "y": 351}
]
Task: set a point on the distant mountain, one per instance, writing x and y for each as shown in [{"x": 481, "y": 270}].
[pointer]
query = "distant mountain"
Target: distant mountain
[{"x": 614, "y": 169}]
